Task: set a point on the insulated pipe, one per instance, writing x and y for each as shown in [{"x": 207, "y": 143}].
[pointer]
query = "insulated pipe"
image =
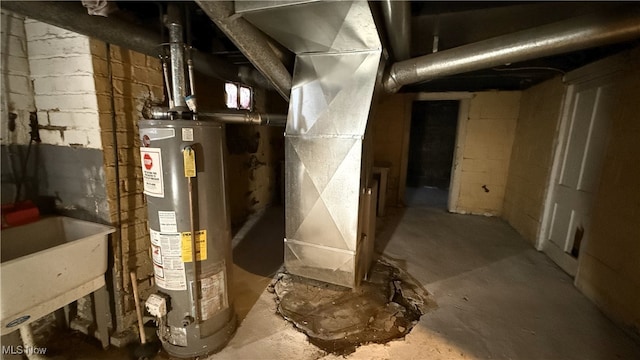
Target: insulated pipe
[
  {"x": 556, "y": 38},
  {"x": 397, "y": 20},
  {"x": 262, "y": 51},
  {"x": 73, "y": 17}
]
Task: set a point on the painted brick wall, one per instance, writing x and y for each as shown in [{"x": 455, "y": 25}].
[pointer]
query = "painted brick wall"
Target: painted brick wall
[
  {"x": 531, "y": 157},
  {"x": 17, "y": 92},
  {"x": 64, "y": 89},
  {"x": 16, "y": 99},
  {"x": 490, "y": 131},
  {"x": 135, "y": 78},
  {"x": 65, "y": 76}
]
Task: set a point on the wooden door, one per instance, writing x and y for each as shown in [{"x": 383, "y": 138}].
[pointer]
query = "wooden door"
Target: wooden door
[{"x": 586, "y": 134}]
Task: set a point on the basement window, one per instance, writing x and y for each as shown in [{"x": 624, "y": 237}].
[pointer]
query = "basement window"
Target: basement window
[{"x": 238, "y": 96}]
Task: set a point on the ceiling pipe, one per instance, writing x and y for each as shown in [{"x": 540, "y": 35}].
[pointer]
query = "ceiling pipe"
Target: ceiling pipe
[
  {"x": 261, "y": 50},
  {"x": 556, "y": 38},
  {"x": 397, "y": 21},
  {"x": 246, "y": 117},
  {"x": 229, "y": 116},
  {"x": 73, "y": 17}
]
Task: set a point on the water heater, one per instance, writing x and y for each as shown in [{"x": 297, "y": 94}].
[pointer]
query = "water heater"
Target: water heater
[{"x": 185, "y": 187}]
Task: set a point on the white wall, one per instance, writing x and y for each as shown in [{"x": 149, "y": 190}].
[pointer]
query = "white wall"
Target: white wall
[
  {"x": 64, "y": 88},
  {"x": 17, "y": 93}
]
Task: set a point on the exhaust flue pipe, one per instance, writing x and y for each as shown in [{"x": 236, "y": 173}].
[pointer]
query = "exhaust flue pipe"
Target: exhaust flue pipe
[
  {"x": 176, "y": 48},
  {"x": 556, "y": 38},
  {"x": 397, "y": 20}
]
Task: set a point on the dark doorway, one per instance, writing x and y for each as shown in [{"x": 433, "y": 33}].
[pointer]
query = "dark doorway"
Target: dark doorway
[{"x": 432, "y": 143}]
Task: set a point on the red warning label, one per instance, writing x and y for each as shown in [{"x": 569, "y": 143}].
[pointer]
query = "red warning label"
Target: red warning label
[
  {"x": 147, "y": 161},
  {"x": 152, "y": 172}
]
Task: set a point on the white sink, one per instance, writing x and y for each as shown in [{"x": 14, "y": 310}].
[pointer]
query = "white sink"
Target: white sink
[{"x": 47, "y": 265}]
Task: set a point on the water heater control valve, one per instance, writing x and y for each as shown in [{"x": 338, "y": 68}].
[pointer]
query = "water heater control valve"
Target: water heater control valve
[{"x": 156, "y": 305}]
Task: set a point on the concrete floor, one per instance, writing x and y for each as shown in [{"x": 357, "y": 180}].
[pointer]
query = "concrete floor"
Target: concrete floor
[{"x": 497, "y": 298}]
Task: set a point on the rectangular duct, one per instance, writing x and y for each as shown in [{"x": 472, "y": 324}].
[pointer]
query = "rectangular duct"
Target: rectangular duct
[{"x": 338, "y": 57}]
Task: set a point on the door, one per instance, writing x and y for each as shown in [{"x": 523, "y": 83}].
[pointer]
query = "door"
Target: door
[
  {"x": 578, "y": 167},
  {"x": 432, "y": 141}
]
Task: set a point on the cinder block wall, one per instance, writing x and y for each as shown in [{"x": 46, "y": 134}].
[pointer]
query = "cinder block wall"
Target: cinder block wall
[
  {"x": 532, "y": 157},
  {"x": 487, "y": 144}
]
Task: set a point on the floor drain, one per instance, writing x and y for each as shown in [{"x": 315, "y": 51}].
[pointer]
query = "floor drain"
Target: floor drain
[{"x": 339, "y": 319}]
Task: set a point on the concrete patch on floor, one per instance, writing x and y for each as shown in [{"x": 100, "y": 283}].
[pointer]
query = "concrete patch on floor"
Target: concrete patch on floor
[{"x": 337, "y": 319}]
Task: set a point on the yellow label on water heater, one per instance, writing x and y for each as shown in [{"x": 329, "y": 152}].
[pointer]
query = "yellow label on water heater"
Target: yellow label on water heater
[
  {"x": 201, "y": 245},
  {"x": 189, "y": 162}
]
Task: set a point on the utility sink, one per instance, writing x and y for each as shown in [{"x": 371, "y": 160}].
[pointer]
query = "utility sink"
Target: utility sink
[{"x": 48, "y": 264}]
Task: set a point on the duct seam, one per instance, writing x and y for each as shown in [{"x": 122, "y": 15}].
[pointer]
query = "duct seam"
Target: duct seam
[{"x": 329, "y": 248}]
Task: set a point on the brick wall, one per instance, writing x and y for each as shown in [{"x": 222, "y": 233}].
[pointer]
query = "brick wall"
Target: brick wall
[
  {"x": 65, "y": 76},
  {"x": 135, "y": 78},
  {"x": 16, "y": 101},
  {"x": 17, "y": 97},
  {"x": 64, "y": 89}
]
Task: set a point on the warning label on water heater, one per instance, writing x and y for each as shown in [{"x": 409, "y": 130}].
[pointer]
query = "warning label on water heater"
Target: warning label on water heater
[
  {"x": 201, "y": 246},
  {"x": 152, "y": 171},
  {"x": 167, "y": 262}
]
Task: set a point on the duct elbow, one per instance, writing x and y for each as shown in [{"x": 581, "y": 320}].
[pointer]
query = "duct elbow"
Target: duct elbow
[{"x": 390, "y": 84}]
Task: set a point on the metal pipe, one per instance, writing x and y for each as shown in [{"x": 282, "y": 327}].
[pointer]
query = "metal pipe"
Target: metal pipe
[
  {"x": 194, "y": 259},
  {"x": 118, "y": 251},
  {"x": 397, "y": 20},
  {"x": 165, "y": 71},
  {"x": 246, "y": 117},
  {"x": 73, "y": 16},
  {"x": 192, "y": 82},
  {"x": 267, "y": 55},
  {"x": 176, "y": 48},
  {"x": 556, "y": 38}
]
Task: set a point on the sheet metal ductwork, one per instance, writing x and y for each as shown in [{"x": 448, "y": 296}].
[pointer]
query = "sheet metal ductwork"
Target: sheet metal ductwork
[
  {"x": 338, "y": 55},
  {"x": 552, "y": 39}
]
